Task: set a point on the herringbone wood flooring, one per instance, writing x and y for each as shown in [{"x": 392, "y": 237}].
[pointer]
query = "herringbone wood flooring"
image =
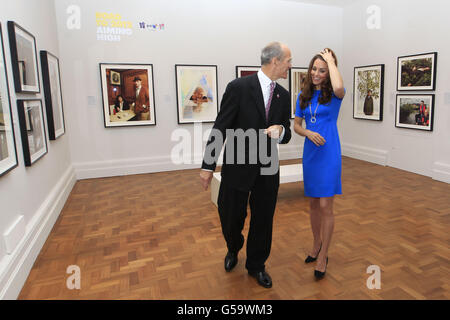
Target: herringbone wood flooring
[{"x": 158, "y": 236}]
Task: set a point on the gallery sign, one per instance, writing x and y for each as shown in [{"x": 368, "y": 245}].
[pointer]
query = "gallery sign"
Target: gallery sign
[{"x": 110, "y": 26}]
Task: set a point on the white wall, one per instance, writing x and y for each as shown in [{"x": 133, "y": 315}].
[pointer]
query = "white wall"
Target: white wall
[
  {"x": 37, "y": 192},
  {"x": 407, "y": 27},
  {"x": 225, "y": 33},
  {"x": 222, "y": 33}
]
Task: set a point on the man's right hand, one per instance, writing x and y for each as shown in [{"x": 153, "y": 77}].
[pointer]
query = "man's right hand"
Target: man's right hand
[{"x": 205, "y": 178}]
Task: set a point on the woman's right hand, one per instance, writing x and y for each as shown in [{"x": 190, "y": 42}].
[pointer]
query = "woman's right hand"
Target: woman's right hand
[{"x": 316, "y": 138}]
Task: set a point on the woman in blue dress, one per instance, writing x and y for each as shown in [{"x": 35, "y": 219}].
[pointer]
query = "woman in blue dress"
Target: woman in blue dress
[{"x": 318, "y": 104}]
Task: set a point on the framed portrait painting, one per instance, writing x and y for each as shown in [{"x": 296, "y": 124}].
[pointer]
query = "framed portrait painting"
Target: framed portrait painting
[
  {"x": 8, "y": 154},
  {"x": 368, "y": 89},
  {"x": 128, "y": 94},
  {"x": 417, "y": 72},
  {"x": 24, "y": 59},
  {"x": 53, "y": 96},
  {"x": 415, "y": 111},
  {"x": 115, "y": 78},
  {"x": 196, "y": 93},
  {"x": 297, "y": 77},
  {"x": 32, "y": 130}
]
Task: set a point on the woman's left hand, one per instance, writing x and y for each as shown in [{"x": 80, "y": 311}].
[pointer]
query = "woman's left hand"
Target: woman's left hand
[{"x": 327, "y": 56}]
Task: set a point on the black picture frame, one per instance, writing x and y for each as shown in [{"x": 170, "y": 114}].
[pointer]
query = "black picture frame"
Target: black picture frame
[
  {"x": 403, "y": 118},
  {"x": 20, "y": 67},
  {"x": 360, "y": 110},
  {"x": 31, "y": 138},
  {"x": 184, "y": 109},
  {"x": 422, "y": 73},
  {"x": 53, "y": 95},
  {"x": 127, "y": 71},
  {"x": 7, "y": 135},
  {"x": 295, "y": 86}
]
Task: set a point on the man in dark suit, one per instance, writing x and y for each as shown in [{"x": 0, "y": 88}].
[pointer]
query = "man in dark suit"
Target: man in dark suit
[{"x": 257, "y": 111}]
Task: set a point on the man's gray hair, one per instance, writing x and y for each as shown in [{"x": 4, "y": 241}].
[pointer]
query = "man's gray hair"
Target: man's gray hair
[{"x": 272, "y": 50}]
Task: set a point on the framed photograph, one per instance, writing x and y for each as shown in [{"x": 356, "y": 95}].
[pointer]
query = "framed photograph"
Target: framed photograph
[
  {"x": 132, "y": 103},
  {"x": 415, "y": 111},
  {"x": 8, "y": 154},
  {"x": 417, "y": 72},
  {"x": 242, "y": 71},
  {"x": 53, "y": 95},
  {"x": 34, "y": 141},
  {"x": 297, "y": 77},
  {"x": 368, "y": 88},
  {"x": 23, "y": 59},
  {"x": 115, "y": 78},
  {"x": 196, "y": 93}
]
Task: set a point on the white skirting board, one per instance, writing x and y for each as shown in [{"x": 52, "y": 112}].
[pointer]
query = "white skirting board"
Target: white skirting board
[
  {"x": 15, "y": 267},
  {"x": 441, "y": 172},
  {"x": 364, "y": 153}
]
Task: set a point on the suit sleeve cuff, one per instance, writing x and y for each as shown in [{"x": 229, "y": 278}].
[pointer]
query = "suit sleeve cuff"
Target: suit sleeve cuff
[{"x": 281, "y": 135}]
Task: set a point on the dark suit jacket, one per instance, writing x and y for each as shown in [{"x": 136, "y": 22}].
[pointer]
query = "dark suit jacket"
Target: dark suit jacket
[
  {"x": 242, "y": 107},
  {"x": 125, "y": 106}
]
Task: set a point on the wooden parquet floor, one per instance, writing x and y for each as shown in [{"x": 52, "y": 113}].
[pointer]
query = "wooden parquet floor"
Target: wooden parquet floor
[{"x": 158, "y": 236}]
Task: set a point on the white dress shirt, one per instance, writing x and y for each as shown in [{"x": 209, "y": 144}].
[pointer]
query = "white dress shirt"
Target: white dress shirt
[{"x": 265, "y": 82}]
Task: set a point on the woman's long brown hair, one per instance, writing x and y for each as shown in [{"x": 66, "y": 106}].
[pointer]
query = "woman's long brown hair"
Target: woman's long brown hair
[{"x": 308, "y": 86}]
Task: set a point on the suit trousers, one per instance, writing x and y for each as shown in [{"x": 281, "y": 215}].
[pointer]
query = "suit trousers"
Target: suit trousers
[{"x": 232, "y": 207}]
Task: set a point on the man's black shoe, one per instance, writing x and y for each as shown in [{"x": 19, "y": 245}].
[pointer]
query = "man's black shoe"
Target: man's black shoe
[
  {"x": 231, "y": 260},
  {"x": 263, "y": 278}
]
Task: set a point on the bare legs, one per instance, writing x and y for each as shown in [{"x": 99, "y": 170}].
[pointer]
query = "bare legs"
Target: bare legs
[{"x": 322, "y": 225}]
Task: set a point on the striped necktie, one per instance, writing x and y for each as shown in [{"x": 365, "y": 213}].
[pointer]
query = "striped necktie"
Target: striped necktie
[{"x": 272, "y": 86}]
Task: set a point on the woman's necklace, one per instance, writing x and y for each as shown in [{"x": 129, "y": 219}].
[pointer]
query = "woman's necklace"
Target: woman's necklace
[{"x": 313, "y": 117}]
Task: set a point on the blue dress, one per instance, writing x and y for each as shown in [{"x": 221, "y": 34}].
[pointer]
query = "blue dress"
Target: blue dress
[{"x": 322, "y": 165}]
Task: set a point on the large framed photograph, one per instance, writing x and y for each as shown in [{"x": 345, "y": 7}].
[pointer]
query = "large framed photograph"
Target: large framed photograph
[
  {"x": 8, "y": 154},
  {"x": 128, "y": 94},
  {"x": 368, "y": 89},
  {"x": 242, "y": 71},
  {"x": 417, "y": 72},
  {"x": 53, "y": 96},
  {"x": 32, "y": 130},
  {"x": 196, "y": 93},
  {"x": 23, "y": 58},
  {"x": 297, "y": 77},
  {"x": 415, "y": 111}
]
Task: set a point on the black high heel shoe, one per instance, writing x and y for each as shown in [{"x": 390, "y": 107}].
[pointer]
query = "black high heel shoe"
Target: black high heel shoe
[
  {"x": 318, "y": 274},
  {"x": 310, "y": 259}
]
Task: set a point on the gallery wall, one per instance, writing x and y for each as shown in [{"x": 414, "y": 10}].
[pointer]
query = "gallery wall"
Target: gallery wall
[
  {"x": 406, "y": 28},
  {"x": 222, "y": 33},
  {"x": 38, "y": 192}
]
